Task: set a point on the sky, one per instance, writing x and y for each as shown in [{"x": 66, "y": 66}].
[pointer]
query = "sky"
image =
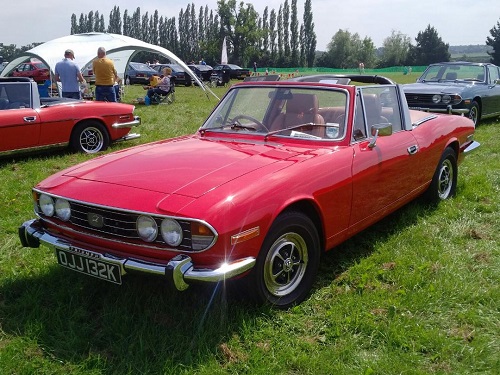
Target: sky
[{"x": 460, "y": 22}]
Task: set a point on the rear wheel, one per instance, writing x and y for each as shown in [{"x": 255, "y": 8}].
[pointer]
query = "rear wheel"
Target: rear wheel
[
  {"x": 288, "y": 261},
  {"x": 444, "y": 181},
  {"x": 89, "y": 137}
]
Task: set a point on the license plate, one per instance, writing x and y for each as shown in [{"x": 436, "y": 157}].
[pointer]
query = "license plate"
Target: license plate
[{"x": 89, "y": 266}]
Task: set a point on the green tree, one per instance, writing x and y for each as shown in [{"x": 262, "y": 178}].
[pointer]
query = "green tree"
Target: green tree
[
  {"x": 115, "y": 21},
  {"x": 246, "y": 35},
  {"x": 494, "y": 42},
  {"x": 135, "y": 24},
  {"x": 272, "y": 38},
  {"x": 429, "y": 49},
  {"x": 126, "y": 23},
  {"x": 395, "y": 49},
  {"x": 339, "y": 52},
  {"x": 294, "y": 35},
  {"x": 265, "y": 29},
  {"x": 286, "y": 34},
  {"x": 309, "y": 36},
  {"x": 74, "y": 25},
  {"x": 365, "y": 52},
  {"x": 279, "y": 22}
]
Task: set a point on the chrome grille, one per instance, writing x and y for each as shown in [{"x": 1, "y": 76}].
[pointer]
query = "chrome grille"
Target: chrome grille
[
  {"x": 419, "y": 99},
  {"x": 122, "y": 224}
]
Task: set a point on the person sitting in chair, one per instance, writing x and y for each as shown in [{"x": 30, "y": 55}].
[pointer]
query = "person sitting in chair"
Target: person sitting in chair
[{"x": 164, "y": 86}]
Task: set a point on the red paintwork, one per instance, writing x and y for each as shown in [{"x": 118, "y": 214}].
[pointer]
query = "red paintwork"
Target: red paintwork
[
  {"x": 53, "y": 124},
  {"x": 35, "y": 70},
  {"x": 237, "y": 181}
]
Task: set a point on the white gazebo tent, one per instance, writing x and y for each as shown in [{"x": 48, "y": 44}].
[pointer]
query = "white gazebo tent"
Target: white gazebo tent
[{"x": 119, "y": 48}]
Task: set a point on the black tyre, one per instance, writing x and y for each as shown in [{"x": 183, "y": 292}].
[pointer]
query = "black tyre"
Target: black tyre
[
  {"x": 89, "y": 137},
  {"x": 475, "y": 112},
  {"x": 444, "y": 181},
  {"x": 288, "y": 261}
]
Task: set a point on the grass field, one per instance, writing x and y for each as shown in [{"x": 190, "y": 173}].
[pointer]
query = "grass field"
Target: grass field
[{"x": 418, "y": 293}]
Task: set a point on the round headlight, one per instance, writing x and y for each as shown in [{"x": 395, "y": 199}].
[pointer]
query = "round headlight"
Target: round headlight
[
  {"x": 63, "y": 210},
  {"x": 436, "y": 98},
  {"x": 171, "y": 232},
  {"x": 446, "y": 99},
  {"x": 46, "y": 204},
  {"x": 147, "y": 228}
]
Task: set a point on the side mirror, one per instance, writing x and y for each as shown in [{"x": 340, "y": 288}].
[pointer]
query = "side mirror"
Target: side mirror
[{"x": 379, "y": 130}]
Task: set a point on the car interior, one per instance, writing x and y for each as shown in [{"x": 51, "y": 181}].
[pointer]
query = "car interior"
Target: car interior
[{"x": 14, "y": 96}]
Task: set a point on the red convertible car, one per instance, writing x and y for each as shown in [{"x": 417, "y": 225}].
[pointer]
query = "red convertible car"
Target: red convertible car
[
  {"x": 29, "y": 123},
  {"x": 279, "y": 173}
]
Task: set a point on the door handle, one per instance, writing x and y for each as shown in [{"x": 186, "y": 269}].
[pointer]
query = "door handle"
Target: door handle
[
  {"x": 29, "y": 119},
  {"x": 412, "y": 150}
]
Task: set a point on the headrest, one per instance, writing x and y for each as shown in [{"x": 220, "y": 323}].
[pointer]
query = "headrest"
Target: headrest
[
  {"x": 451, "y": 76},
  {"x": 302, "y": 103},
  {"x": 372, "y": 105}
]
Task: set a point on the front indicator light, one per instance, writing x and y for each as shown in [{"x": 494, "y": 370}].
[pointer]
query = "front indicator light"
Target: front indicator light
[
  {"x": 245, "y": 236},
  {"x": 46, "y": 204},
  {"x": 147, "y": 228},
  {"x": 201, "y": 236}
]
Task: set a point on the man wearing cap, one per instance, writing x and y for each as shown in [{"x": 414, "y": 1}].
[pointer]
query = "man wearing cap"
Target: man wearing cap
[
  {"x": 105, "y": 77},
  {"x": 69, "y": 74}
]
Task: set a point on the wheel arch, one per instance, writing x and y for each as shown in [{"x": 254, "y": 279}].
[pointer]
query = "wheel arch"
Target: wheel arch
[
  {"x": 90, "y": 119},
  {"x": 454, "y": 145},
  {"x": 311, "y": 210},
  {"x": 479, "y": 102}
]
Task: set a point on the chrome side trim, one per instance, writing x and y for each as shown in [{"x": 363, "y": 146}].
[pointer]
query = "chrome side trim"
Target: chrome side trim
[
  {"x": 180, "y": 269},
  {"x": 425, "y": 119}
]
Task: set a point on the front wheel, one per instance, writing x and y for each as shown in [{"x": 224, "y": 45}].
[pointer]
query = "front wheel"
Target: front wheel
[
  {"x": 444, "y": 181},
  {"x": 89, "y": 137},
  {"x": 475, "y": 112},
  {"x": 288, "y": 261}
]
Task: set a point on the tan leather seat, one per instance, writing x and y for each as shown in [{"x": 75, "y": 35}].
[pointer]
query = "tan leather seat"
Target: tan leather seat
[{"x": 300, "y": 109}]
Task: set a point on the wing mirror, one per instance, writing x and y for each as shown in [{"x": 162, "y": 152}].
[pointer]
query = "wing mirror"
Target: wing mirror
[{"x": 379, "y": 130}]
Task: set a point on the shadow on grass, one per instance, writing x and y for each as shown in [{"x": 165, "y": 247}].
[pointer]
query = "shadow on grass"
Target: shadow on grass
[
  {"x": 144, "y": 326},
  {"x": 341, "y": 258}
]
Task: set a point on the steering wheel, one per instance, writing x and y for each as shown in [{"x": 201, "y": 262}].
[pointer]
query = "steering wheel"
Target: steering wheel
[{"x": 254, "y": 120}]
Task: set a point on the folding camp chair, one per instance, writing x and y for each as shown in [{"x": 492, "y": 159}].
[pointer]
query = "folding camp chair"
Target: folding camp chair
[{"x": 168, "y": 98}]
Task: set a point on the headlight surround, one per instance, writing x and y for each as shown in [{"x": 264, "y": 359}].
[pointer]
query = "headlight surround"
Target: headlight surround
[
  {"x": 446, "y": 99},
  {"x": 147, "y": 228},
  {"x": 171, "y": 232},
  {"x": 46, "y": 204},
  {"x": 436, "y": 98},
  {"x": 63, "y": 209}
]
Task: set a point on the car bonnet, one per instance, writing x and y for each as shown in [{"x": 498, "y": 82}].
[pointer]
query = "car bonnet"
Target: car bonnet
[{"x": 189, "y": 166}]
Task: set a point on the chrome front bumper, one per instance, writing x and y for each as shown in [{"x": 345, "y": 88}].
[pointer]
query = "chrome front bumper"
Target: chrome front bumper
[
  {"x": 135, "y": 122},
  {"x": 180, "y": 269}
]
